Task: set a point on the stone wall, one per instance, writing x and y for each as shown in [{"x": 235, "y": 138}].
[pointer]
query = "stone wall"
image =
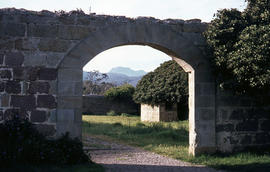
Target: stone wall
[
  {"x": 158, "y": 113},
  {"x": 42, "y": 55},
  {"x": 242, "y": 121},
  {"x": 100, "y": 105}
]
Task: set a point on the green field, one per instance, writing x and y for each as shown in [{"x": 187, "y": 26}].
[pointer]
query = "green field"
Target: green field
[{"x": 170, "y": 139}]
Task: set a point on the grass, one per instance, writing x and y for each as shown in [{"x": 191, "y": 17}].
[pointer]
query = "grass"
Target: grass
[{"x": 170, "y": 139}]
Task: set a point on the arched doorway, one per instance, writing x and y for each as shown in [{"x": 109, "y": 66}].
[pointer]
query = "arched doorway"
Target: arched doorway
[{"x": 201, "y": 83}]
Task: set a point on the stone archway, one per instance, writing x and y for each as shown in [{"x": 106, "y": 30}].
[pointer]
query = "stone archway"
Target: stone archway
[{"x": 177, "y": 45}]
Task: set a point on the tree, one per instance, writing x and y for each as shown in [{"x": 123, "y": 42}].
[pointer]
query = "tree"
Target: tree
[
  {"x": 167, "y": 84},
  {"x": 240, "y": 45},
  {"x": 95, "y": 84}
]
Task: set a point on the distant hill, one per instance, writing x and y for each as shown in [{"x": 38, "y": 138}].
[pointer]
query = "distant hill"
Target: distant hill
[
  {"x": 118, "y": 77},
  {"x": 127, "y": 71}
]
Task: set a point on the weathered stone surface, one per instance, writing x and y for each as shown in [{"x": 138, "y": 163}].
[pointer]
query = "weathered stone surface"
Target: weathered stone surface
[
  {"x": 225, "y": 127},
  {"x": 4, "y": 100},
  {"x": 24, "y": 102},
  {"x": 46, "y": 129},
  {"x": 250, "y": 125},
  {"x": 10, "y": 113},
  {"x": 26, "y": 73},
  {"x": 38, "y": 116},
  {"x": 1, "y": 58},
  {"x": 42, "y": 30},
  {"x": 47, "y": 74},
  {"x": 73, "y": 32},
  {"x": 262, "y": 138},
  {"x": 53, "y": 45},
  {"x": 246, "y": 140},
  {"x": 1, "y": 115},
  {"x": 5, "y": 74},
  {"x": 38, "y": 87},
  {"x": 13, "y": 87},
  {"x": 12, "y": 29},
  {"x": 2, "y": 86},
  {"x": 14, "y": 59},
  {"x": 46, "y": 101},
  {"x": 26, "y": 44},
  {"x": 265, "y": 125}
]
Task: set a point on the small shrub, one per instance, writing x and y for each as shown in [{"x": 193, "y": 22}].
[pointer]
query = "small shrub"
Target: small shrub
[
  {"x": 139, "y": 124},
  {"x": 117, "y": 124},
  {"x": 22, "y": 143},
  {"x": 111, "y": 113},
  {"x": 121, "y": 93}
]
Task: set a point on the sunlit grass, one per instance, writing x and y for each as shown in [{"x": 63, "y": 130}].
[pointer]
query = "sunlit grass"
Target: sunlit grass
[{"x": 169, "y": 139}]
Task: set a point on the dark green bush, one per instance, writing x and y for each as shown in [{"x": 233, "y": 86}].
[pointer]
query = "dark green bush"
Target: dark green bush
[
  {"x": 239, "y": 43},
  {"x": 167, "y": 84},
  {"x": 22, "y": 143},
  {"x": 121, "y": 93}
]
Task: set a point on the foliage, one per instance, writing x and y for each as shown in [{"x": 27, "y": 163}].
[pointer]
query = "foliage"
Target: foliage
[
  {"x": 167, "y": 84},
  {"x": 22, "y": 143},
  {"x": 95, "y": 83},
  {"x": 240, "y": 44},
  {"x": 120, "y": 93}
]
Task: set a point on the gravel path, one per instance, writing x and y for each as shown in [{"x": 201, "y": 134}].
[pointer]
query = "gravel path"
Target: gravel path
[{"x": 117, "y": 157}]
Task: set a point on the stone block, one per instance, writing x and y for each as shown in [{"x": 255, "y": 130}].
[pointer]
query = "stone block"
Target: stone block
[
  {"x": 42, "y": 30},
  {"x": 13, "y": 87},
  {"x": 14, "y": 59},
  {"x": 70, "y": 88},
  {"x": 46, "y": 129},
  {"x": 34, "y": 58},
  {"x": 38, "y": 87},
  {"x": 47, "y": 74},
  {"x": 225, "y": 128},
  {"x": 205, "y": 101},
  {"x": 52, "y": 116},
  {"x": 24, "y": 102},
  {"x": 4, "y": 100},
  {"x": 67, "y": 102},
  {"x": 46, "y": 101},
  {"x": 206, "y": 114},
  {"x": 10, "y": 113},
  {"x": 26, "y": 73},
  {"x": 74, "y": 129},
  {"x": 246, "y": 140},
  {"x": 5, "y": 74},
  {"x": 38, "y": 116},
  {"x": 2, "y": 86},
  {"x": 24, "y": 44},
  {"x": 1, "y": 58},
  {"x": 250, "y": 125},
  {"x": 74, "y": 75},
  {"x": 73, "y": 32},
  {"x": 265, "y": 125},
  {"x": 262, "y": 138},
  {"x": 1, "y": 116},
  {"x": 12, "y": 29},
  {"x": 53, "y": 45},
  {"x": 65, "y": 115}
]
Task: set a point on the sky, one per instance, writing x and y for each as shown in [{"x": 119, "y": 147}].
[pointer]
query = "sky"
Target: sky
[{"x": 135, "y": 57}]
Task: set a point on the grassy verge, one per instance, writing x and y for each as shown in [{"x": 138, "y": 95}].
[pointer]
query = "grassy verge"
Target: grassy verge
[{"x": 170, "y": 139}]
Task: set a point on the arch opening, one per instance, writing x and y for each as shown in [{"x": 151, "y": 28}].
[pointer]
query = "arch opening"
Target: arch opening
[{"x": 183, "y": 51}]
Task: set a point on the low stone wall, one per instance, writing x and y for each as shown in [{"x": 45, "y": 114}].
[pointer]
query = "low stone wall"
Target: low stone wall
[
  {"x": 242, "y": 121},
  {"x": 100, "y": 105},
  {"x": 158, "y": 113}
]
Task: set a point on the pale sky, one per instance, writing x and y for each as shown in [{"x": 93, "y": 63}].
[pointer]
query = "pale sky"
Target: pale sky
[{"x": 135, "y": 57}]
